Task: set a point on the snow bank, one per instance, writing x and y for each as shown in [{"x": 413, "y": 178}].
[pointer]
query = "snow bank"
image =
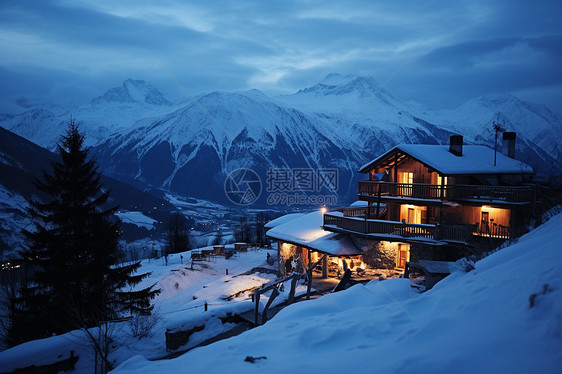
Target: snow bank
[{"x": 505, "y": 316}]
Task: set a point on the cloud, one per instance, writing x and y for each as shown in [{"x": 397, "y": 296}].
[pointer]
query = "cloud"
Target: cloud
[{"x": 455, "y": 50}]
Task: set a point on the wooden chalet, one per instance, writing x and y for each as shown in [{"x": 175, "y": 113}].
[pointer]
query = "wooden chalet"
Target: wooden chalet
[
  {"x": 440, "y": 195},
  {"x": 421, "y": 201}
]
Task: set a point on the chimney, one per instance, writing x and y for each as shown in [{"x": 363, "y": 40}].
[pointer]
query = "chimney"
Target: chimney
[
  {"x": 508, "y": 144},
  {"x": 455, "y": 145}
]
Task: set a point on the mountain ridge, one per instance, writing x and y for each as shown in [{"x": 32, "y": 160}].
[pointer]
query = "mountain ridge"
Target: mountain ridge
[{"x": 341, "y": 122}]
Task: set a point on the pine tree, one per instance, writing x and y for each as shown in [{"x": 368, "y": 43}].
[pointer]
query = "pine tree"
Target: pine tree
[
  {"x": 218, "y": 238},
  {"x": 178, "y": 235},
  {"x": 76, "y": 280}
]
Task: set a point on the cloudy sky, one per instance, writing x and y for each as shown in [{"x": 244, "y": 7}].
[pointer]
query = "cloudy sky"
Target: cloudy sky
[{"x": 439, "y": 53}]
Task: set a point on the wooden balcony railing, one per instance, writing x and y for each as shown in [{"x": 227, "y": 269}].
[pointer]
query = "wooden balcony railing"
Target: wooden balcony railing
[
  {"x": 360, "y": 212},
  {"x": 462, "y": 233},
  {"x": 492, "y": 231},
  {"x": 517, "y": 194}
]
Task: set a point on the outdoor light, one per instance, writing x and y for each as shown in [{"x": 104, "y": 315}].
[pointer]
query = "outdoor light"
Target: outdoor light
[{"x": 323, "y": 209}]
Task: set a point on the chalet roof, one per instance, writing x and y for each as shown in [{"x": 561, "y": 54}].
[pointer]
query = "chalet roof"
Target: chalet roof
[
  {"x": 307, "y": 231},
  {"x": 475, "y": 160},
  {"x": 283, "y": 219}
]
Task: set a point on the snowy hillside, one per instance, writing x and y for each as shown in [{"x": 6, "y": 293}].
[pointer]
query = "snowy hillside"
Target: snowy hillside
[
  {"x": 341, "y": 122},
  {"x": 179, "y": 306},
  {"x": 503, "y": 317}
]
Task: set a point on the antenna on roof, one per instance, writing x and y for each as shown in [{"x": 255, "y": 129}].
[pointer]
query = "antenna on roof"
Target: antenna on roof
[{"x": 498, "y": 129}]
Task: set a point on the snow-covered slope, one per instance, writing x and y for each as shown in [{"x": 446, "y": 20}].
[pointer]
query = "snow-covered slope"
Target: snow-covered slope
[{"x": 503, "y": 317}]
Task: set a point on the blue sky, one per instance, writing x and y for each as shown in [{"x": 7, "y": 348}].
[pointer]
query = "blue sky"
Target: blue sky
[{"x": 69, "y": 51}]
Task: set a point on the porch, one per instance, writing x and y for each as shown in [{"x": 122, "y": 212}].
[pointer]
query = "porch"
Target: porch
[
  {"x": 507, "y": 194},
  {"x": 385, "y": 230}
]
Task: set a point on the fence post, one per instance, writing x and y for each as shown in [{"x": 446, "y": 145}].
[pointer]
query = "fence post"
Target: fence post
[
  {"x": 256, "y": 311},
  {"x": 292, "y": 291},
  {"x": 309, "y": 285},
  {"x": 274, "y": 294}
]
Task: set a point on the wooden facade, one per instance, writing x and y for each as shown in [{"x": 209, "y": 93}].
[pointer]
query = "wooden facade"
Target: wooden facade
[{"x": 421, "y": 203}]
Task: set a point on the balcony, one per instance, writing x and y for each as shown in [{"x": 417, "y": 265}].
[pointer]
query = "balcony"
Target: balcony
[
  {"x": 508, "y": 194},
  {"x": 381, "y": 229}
]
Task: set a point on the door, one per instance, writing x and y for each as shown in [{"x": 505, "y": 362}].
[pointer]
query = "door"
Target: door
[
  {"x": 442, "y": 183},
  {"x": 403, "y": 255},
  {"x": 406, "y": 180},
  {"x": 411, "y": 215},
  {"x": 485, "y": 224}
]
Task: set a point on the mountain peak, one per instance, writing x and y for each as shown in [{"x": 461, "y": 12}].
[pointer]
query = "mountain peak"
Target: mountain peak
[
  {"x": 337, "y": 84},
  {"x": 133, "y": 91}
]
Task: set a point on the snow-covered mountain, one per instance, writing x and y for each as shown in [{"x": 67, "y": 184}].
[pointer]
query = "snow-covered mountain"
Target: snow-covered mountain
[
  {"x": 341, "y": 122},
  {"x": 117, "y": 109},
  {"x": 538, "y": 129}
]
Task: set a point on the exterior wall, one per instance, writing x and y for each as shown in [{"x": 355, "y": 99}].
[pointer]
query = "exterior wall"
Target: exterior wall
[
  {"x": 286, "y": 251},
  {"x": 382, "y": 254},
  {"x": 423, "y": 214},
  {"x": 393, "y": 212},
  {"x": 473, "y": 215},
  {"x": 421, "y": 174},
  {"x": 289, "y": 251}
]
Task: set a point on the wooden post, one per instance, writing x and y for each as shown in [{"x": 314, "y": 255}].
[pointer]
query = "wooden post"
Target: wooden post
[
  {"x": 378, "y": 201},
  {"x": 309, "y": 285},
  {"x": 344, "y": 280},
  {"x": 292, "y": 291},
  {"x": 256, "y": 311},
  {"x": 325, "y": 266},
  {"x": 274, "y": 294},
  {"x": 396, "y": 167},
  {"x": 407, "y": 270}
]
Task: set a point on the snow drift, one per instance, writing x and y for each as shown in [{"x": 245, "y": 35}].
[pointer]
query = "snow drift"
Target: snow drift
[{"x": 504, "y": 316}]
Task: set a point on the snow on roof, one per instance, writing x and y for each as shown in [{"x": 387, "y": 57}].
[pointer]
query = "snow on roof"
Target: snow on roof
[
  {"x": 336, "y": 244},
  {"x": 475, "y": 159},
  {"x": 301, "y": 230},
  {"x": 283, "y": 219},
  {"x": 360, "y": 203},
  {"x": 307, "y": 231},
  {"x": 437, "y": 267}
]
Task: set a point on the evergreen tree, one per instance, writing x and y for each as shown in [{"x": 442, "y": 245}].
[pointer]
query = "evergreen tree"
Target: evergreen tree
[
  {"x": 260, "y": 220},
  {"x": 218, "y": 238},
  {"x": 72, "y": 257},
  {"x": 178, "y": 234},
  {"x": 243, "y": 233}
]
